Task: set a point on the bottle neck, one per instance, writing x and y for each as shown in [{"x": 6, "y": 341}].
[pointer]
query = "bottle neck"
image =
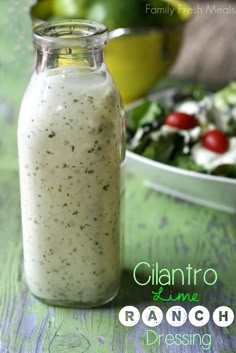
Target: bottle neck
[{"x": 82, "y": 59}]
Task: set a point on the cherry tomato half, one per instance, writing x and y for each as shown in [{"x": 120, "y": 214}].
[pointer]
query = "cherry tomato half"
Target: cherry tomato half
[
  {"x": 181, "y": 121},
  {"x": 216, "y": 141}
]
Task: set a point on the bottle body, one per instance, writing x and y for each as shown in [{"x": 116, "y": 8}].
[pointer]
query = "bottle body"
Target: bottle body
[{"x": 71, "y": 147}]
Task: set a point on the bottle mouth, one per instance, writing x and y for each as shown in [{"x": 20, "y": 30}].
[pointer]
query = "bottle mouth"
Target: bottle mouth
[{"x": 70, "y": 33}]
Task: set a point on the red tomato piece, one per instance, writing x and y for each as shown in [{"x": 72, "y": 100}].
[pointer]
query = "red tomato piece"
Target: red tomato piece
[
  {"x": 216, "y": 141},
  {"x": 181, "y": 121}
]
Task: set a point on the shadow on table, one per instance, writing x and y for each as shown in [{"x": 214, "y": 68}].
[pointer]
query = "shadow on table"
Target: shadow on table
[
  {"x": 133, "y": 294},
  {"x": 130, "y": 292}
]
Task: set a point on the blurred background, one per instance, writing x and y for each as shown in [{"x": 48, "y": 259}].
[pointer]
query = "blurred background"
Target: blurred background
[
  {"x": 202, "y": 49},
  {"x": 209, "y": 48}
]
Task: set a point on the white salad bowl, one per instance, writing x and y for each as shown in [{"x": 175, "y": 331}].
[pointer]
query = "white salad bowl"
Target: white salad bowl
[{"x": 208, "y": 190}]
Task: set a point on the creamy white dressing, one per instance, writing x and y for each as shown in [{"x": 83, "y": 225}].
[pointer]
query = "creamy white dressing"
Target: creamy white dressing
[
  {"x": 189, "y": 135},
  {"x": 210, "y": 160},
  {"x": 188, "y": 107},
  {"x": 70, "y": 150},
  {"x": 217, "y": 110}
]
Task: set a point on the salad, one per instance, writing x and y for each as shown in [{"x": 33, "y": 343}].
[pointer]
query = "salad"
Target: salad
[{"x": 190, "y": 129}]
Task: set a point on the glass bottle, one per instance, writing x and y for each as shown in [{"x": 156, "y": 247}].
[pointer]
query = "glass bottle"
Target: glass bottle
[{"x": 71, "y": 151}]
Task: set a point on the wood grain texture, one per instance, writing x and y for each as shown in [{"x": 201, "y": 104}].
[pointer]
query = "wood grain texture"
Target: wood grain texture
[{"x": 158, "y": 228}]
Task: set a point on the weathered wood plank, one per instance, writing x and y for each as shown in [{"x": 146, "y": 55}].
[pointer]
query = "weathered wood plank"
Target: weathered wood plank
[{"x": 158, "y": 228}]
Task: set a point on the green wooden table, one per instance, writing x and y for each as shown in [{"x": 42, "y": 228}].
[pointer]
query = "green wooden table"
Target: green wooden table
[{"x": 158, "y": 228}]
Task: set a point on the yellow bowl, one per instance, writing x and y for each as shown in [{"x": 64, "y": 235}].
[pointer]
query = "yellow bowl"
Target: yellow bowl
[{"x": 136, "y": 58}]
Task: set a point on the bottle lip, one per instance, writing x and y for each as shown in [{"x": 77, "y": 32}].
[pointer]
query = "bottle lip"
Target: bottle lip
[{"x": 70, "y": 33}]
